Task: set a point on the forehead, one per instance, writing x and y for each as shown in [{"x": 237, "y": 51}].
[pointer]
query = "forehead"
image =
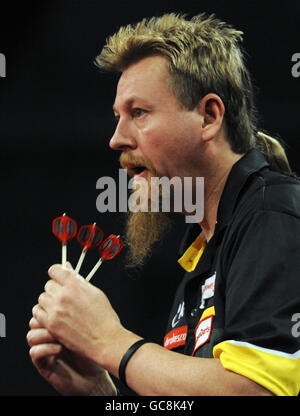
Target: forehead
[{"x": 145, "y": 79}]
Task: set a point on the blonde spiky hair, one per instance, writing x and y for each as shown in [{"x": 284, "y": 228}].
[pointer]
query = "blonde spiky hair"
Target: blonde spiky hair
[{"x": 205, "y": 56}]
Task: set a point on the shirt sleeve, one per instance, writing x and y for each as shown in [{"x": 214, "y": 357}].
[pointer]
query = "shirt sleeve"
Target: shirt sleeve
[{"x": 262, "y": 292}]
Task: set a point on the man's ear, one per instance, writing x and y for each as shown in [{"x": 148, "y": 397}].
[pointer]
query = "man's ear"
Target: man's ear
[{"x": 212, "y": 109}]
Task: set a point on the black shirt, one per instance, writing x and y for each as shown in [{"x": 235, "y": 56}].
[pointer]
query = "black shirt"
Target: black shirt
[{"x": 241, "y": 303}]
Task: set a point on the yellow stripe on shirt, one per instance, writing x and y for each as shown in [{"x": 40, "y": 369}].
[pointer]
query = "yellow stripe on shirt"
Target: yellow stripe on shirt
[
  {"x": 192, "y": 255},
  {"x": 278, "y": 372},
  {"x": 207, "y": 312}
]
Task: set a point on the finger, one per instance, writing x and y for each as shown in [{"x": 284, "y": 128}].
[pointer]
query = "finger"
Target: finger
[
  {"x": 51, "y": 287},
  {"x": 40, "y": 315},
  {"x": 78, "y": 276},
  {"x": 69, "y": 266},
  {"x": 39, "y": 336},
  {"x": 44, "y": 356},
  {"x": 60, "y": 274},
  {"x": 34, "y": 324},
  {"x": 45, "y": 301},
  {"x": 37, "y": 352}
]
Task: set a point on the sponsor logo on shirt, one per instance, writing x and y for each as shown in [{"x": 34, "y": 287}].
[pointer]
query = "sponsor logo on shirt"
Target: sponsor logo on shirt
[
  {"x": 175, "y": 338},
  {"x": 203, "y": 332},
  {"x": 208, "y": 289}
]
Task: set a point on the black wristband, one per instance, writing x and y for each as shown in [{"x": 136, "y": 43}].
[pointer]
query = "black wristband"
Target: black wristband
[{"x": 126, "y": 357}]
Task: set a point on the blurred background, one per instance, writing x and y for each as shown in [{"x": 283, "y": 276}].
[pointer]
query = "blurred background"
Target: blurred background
[{"x": 55, "y": 125}]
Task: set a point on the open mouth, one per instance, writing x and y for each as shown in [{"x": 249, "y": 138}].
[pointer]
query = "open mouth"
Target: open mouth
[
  {"x": 134, "y": 170},
  {"x": 139, "y": 169}
]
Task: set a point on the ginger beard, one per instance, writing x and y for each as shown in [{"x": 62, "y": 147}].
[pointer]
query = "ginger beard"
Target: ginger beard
[{"x": 143, "y": 229}]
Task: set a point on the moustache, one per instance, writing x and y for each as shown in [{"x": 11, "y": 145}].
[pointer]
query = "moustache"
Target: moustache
[{"x": 135, "y": 165}]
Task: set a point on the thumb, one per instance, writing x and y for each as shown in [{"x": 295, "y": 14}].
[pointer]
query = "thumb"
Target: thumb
[{"x": 69, "y": 265}]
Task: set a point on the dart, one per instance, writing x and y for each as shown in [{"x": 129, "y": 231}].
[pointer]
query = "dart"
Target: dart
[
  {"x": 110, "y": 247},
  {"x": 64, "y": 228},
  {"x": 88, "y": 236}
]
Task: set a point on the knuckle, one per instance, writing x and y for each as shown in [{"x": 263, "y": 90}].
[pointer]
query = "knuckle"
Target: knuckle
[
  {"x": 31, "y": 323},
  {"x": 41, "y": 297},
  {"x": 69, "y": 272},
  {"x": 53, "y": 269},
  {"x": 29, "y": 337},
  {"x": 71, "y": 285},
  {"x": 54, "y": 319},
  {"x": 62, "y": 297},
  {"x": 53, "y": 322},
  {"x": 33, "y": 352},
  {"x": 47, "y": 285},
  {"x": 54, "y": 313},
  {"x": 79, "y": 277},
  {"x": 35, "y": 311}
]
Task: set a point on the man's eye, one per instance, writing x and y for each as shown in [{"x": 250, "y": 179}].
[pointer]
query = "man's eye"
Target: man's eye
[{"x": 138, "y": 112}]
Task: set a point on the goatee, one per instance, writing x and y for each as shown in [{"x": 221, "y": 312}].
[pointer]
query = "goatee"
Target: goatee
[{"x": 143, "y": 231}]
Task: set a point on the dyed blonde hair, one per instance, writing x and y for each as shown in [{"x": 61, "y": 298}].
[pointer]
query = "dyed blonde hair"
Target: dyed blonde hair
[{"x": 205, "y": 57}]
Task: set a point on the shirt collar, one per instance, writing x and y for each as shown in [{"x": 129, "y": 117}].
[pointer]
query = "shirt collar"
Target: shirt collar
[{"x": 252, "y": 162}]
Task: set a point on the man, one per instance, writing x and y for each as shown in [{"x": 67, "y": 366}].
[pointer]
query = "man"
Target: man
[{"x": 184, "y": 107}]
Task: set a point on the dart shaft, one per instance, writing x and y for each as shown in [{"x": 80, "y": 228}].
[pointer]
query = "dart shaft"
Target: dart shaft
[
  {"x": 93, "y": 271},
  {"x": 80, "y": 261},
  {"x": 64, "y": 254}
]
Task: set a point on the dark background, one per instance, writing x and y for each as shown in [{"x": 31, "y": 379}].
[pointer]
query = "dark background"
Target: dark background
[{"x": 55, "y": 124}]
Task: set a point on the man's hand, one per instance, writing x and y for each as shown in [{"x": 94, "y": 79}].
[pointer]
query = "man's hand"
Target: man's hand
[
  {"x": 77, "y": 314},
  {"x": 67, "y": 372}
]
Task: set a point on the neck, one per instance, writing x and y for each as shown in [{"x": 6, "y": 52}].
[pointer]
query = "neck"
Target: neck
[{"x": 213, "y": 188}]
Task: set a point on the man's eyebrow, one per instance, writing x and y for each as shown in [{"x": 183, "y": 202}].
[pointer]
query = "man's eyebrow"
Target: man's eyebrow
[{"x": 127, "y": 104}]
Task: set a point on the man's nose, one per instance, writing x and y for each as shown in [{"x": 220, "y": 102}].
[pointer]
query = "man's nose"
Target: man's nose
[{"x": 123, "y": 137}]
